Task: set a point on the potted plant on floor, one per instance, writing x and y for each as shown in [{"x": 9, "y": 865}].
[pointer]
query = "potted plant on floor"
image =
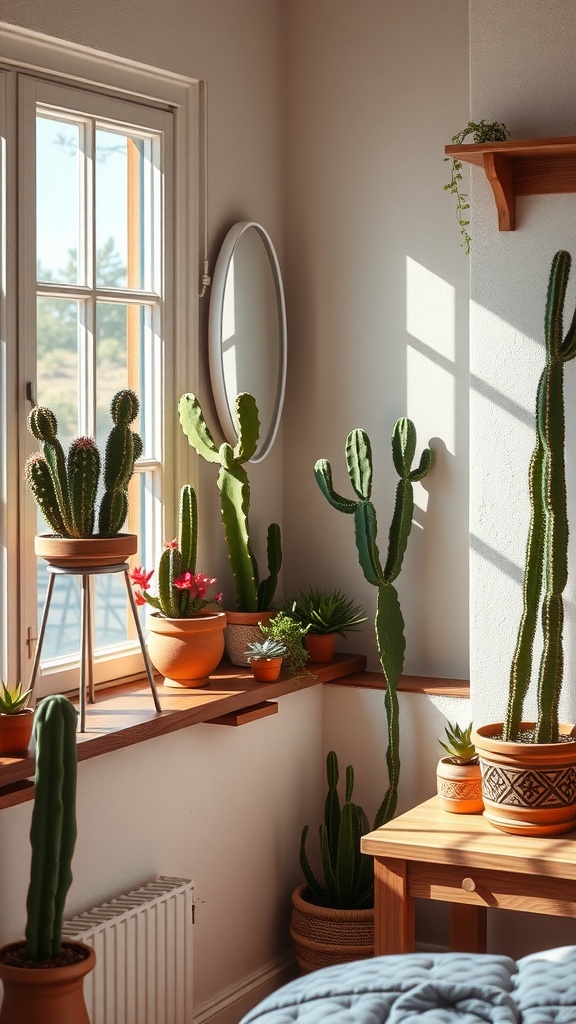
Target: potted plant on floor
[
  {"x": 66, "y": 488},
  {"x": 254, "y": 595},
  {"x": 529, "y": 768},
  {"x": 458, "y": 778},
  {"x": 333, "y": 918},
  {"x": 327, "y": 614},
  {"x": 185, "y": 631},
  {"x": 265, "y": 659},
  {"x": 16, "y": 719},
  {"x": 42, "y": 976}
]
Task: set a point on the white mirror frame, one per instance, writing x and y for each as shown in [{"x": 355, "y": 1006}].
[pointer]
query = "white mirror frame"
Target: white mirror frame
[{"x": 222, "y": 400}]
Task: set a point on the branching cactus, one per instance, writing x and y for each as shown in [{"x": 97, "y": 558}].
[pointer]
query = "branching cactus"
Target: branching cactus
[
  {"x": 65, "y": 489},
  {"x": 389, "y": 622},
  {"x": 53, "y": 829},
  {"x": 252, "y": 594},
  {"x": 546, "y": 569},
  {"x": 348, "y": 874}
]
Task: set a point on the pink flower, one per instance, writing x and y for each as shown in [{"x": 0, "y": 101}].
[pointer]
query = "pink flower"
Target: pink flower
[
  {"x": 141, "y": 578},
  {"x": 218, "y": 599},
  {"x": 139, "y": 598},
  {"x": 185, "y": 581},
  {"x": 171, "y": 543}
]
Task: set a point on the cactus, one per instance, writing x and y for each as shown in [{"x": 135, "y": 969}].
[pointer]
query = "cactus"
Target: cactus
[
  {"x": 389, "y": 623},
  {"x": 53, "y": 829},
  {"x": 348, "y": 874},
  {"x": 252, "y": 594},
  {"x": 181, "y": 592},
  {"x": 65, "y": 489},
  {"x": 546, "y": 568}
]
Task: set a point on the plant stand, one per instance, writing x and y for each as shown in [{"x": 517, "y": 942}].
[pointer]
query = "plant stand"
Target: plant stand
[{"x": 86, "y": 637}]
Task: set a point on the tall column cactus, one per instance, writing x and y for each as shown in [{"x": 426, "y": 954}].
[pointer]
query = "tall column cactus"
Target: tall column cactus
[
  {"x": 252, "y": 594},
  {"x": 123, "y": 447},
  {"x": 546, "y": 568},
  {"x": 53, "y": 829},
  {"x": 174, "y": 561},
  {"x": 389, "y": 623}
]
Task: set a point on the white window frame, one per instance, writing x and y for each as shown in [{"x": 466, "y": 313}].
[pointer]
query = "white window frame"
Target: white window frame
[{"x": 62, "y": 63}]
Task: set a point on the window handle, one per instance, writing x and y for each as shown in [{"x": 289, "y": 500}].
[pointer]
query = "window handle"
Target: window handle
[{"x": 29, "y": 396}]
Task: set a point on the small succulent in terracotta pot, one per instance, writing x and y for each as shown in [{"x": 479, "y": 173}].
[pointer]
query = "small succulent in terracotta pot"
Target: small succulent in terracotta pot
[
  {"x": 16, "y": 719},
  {"x": 265, "y": 658},
  {"x": 458, "y": 776}
]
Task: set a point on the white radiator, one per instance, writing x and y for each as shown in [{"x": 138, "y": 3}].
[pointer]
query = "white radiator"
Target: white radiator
[{"x": 143, "y": 944}]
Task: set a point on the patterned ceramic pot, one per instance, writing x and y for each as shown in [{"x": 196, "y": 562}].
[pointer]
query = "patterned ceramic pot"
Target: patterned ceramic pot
[
  {"x": 241, "y": 629},
  {"x": 459, "y": 787},
  {"x": 529, "y": 789}
]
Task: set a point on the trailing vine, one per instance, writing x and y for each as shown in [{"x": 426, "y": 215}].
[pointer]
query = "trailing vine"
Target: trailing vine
[{"x": 484, "y": 131}]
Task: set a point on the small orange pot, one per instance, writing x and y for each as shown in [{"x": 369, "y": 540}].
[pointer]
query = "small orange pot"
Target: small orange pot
[
  {"x": 186, "y": 651},
  {"x": 459, "y": 787},
  {"x": 45, "y": 995},
  {"x": 16, "y": 731},
  {"x": 266, "y": 670},
  {"x": 320, "y": 646},
  {"x": 529, "y": 789}
]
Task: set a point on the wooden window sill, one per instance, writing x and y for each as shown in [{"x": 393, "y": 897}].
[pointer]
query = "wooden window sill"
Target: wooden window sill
[
  {"x": 125, "y": 714},
  {"x": 408, "y": 684}
]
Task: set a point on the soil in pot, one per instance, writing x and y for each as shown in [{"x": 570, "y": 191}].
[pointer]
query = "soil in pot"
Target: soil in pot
[
  {"x": 45, "y": 994},
  {"x": 324, "y": 936}
]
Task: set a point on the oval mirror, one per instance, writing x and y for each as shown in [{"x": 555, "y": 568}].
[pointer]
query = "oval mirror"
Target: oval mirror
[{"x": 247, "y": 331}]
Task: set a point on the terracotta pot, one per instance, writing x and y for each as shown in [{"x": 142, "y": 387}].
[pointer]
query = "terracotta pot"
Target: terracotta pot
[
  {"x": 266, "y": 670},
  {"x": 16, "y": 731},
  {"x": 241, "y": 629},
  {"x": 88, "y": 551},
  {"x": 320, "y": 646},
  {"x": 459, "y": 787},
  {"x": 45, "y": 995},
  {"x": 186, "y": 651},
  {"x": 324, "y": 936},
  {"x": 529, "y": 789}
]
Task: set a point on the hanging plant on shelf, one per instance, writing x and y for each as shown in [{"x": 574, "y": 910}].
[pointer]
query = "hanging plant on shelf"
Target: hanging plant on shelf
[{"x": 483, "y": 131}]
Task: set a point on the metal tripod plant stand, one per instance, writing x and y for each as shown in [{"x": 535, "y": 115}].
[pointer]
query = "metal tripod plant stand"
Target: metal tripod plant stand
[{"x": 86, "y": 636}]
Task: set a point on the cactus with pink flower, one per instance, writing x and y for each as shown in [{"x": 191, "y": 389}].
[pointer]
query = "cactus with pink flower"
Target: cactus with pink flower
[{"x": 182, "y": 592}]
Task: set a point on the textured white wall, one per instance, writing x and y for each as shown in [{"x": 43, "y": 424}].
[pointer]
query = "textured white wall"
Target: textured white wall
[{"x": 522, "y": 73}]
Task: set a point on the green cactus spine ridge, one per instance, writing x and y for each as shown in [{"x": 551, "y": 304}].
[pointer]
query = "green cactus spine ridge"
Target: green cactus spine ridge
[
  {"x": 348, "y": 881},
  {"x": 546, "y": 567},
  {"x": 234, "y": 486},
  {"x": 389, "y": 622},
  {"x": 65, "y": 489},
  {"x": 53, "y": 828}
]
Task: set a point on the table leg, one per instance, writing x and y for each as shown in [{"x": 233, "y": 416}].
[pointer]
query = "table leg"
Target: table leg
[
  {"x": 393, "y": 908},
  {"x": 468, "y": 931}
]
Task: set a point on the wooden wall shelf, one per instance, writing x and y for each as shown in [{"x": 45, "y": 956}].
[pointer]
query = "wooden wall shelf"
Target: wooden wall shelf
[{"x": 526, "y": 167}]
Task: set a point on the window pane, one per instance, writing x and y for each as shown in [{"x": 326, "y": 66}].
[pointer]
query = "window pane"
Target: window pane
[
  {"x": 124, "y": 358},
  {"x": 57, "y": 199},
  {"x": 123, "y": 210},
  {"x": 57, "y": 370},
  {"x": 62, "y": 635}
]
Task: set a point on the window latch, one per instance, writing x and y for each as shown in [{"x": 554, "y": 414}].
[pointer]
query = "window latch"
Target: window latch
[{"x": 29, "y": 396}]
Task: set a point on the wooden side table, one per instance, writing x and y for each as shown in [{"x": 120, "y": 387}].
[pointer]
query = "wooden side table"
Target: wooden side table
[{"x": 463, "y": 860}]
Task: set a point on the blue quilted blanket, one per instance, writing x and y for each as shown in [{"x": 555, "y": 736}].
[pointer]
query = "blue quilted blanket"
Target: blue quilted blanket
[{"x": 441, "y": 988}]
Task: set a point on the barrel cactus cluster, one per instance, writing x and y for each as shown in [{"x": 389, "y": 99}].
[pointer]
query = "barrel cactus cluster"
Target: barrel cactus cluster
[
  {"x": 252, "y": 593},
  {"x": 53, "y": 828},
  {"x": 389, "y": 623},
  {"x": 546, "y": 569},
  {"x": 66, "y": 487}
]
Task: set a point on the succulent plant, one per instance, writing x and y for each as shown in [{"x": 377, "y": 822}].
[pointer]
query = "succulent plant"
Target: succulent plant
[
  {"x": 252, "y": 593},
  {"x": 65, "y": 488},
  {"x": 348, "y": 874},
  {"x": 459, "y": 747},
  {"x": 389, "y": 623},
  {"x": 324, "y": 611},
  {"x": 13, "y": 701},
  {"x": 257, "y": 650},
  {"x": 285, "y": 630},
  {"x": 181, "y": 590},
  {"x": 53, "y": 828},
  {"x": 546, "y": 569}
]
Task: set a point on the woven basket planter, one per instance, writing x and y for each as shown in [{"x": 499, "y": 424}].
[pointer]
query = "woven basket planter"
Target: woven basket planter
[{"x": 323, "y": 936}]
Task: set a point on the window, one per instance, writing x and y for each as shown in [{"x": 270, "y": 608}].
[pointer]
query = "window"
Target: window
[{"x": 96, "y": 268}]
